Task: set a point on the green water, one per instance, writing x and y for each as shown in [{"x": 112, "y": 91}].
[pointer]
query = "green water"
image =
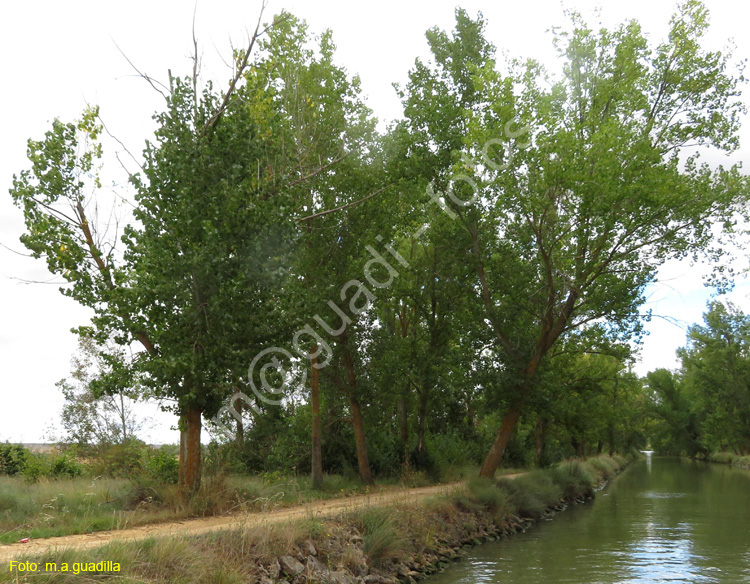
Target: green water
[{"x": 665, "y": 520}]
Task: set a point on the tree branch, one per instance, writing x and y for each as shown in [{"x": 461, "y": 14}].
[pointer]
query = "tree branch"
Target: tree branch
[
  {"x": 240, "y": 70},
  {"x": 342, "y": 207}
]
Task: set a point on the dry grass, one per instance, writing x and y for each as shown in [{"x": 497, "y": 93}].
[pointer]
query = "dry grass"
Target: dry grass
[
  {"x": 51, "y": 508},
  {"x": 384, "y": 534}
]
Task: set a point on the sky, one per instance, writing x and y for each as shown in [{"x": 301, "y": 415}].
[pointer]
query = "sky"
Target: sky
[{"x": 57, "y": 57}]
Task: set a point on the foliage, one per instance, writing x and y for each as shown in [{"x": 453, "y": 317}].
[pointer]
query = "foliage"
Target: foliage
[
  {"x": 575, "y": 254},
  {"x": 163, "y": 466},
  {"x": 382, "y": 540},
  {"x": 469, "y": 283},
  {"x": 13, "y": 458},
  {"x": 705, "y": 406},
  {"x": 54, "y": 465},
  {"x": 99, "y": 396}
]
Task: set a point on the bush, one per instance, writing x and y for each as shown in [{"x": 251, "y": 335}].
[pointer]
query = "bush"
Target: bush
[
  {"x": 121, "y": 460},
  {"x": 36, "y": 467},
  {"x": 425, "y": 462},
  {"x": 12, "y": 458},
  {"x": 603, "y": 465},
  {"x": 575, "y": 479},
  {"x": 722, "y": 457},
  {"x": 487, "y": 494},
  {"x": 532, "y": 493},
  {"x": 163, "y": 466},
  {"x": 55, "y": 466},
  {"x": 382, "y": 539},
  {"x": 452, "y": 449},
  {"x": 64, "y": 466},
  {"x": 522, "y": 501}
]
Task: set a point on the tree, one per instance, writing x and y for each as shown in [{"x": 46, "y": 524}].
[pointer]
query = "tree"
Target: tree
[
  {"x": 671, "y": 403},
  {"x": 716, "y": 378},
  {"x": 568, "y": 195},
  {"x": 99, "y": 396},
  {"x": 332, "y": 135},
  {"x": 195, "y": 288},
  {"x": 207, "y": 254}
]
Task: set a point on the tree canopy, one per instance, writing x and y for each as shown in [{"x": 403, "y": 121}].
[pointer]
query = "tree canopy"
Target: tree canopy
[{"x": 468, "y": 283}]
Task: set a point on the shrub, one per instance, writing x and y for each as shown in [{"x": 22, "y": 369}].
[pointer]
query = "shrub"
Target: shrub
[
  {"x": 466, "y": 502},
  {"x": 452, "y": 449},
  {"x": 12, "y": 458},
  {"x": 621, "y": 460},
  {"x": 529, "y": 495},
  {"x": 54, "y": 466},
  {"x": 541, "y": 484},
  {"x": 722, "y": 457},
  {"x": 121, "y": 460},
  {"x": 64, "y": 466},
  {"x": 163, "y": 466},
  {"x": 522, "y": 501},
  {"x": 603, "y": 465},
  {"x": 36, "y": 467},
  {"x": 382, "y": 539},
  {"x": 425, "y": 462},
  {"x": 488, "y": 494},
  {"x": 574, "y": 478}
]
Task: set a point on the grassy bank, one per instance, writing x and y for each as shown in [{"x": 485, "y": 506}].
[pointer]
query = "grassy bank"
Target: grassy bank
[
  {"x": 373, "y": 545},
  {"x": 50, "y": 508},
  {"x": 729, "y": 458}
]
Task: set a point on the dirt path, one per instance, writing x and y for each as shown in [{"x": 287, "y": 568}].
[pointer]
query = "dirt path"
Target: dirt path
[{"x": 208, "y": 524}]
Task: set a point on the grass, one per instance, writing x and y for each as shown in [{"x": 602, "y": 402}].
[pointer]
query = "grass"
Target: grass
[
  {"x": 59, "y": 507},
  {"x": 224, "y": 557},
  {"x": 386, "y": 535},
  {"x": 382, "y": 539},
  {"x": 51, "y": 508},
  {"x": 730, "y": 458},
  {"x": 531, "y": 494}
]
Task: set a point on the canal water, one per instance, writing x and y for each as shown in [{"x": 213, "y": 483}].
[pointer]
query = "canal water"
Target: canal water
[{"x": 661, "y": 520}]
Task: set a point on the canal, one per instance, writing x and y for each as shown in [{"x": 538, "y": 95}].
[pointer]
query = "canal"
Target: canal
[{"x": 661, "y": 520}]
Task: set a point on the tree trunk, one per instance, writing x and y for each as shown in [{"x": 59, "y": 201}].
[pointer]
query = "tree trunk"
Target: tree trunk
[
  {"x": 403, "y": 422},
  {"x": 600, "y": 447},
  {"x": 575, "y": 444},
  {"x": 317, "y": 440},
  {"x": 359, "y": 438},
  {"x": 470, "y": 411},
  {"x": 403, "y": 429},
  {"x": 123, "y": 419},
  {"x": 182, "y": 424},
  {"x": 611, "y": 439},
  {"x": 504, "y": 434},
  {"x": 190, "y": 465},
  {"x": 240, "y": 438},
  {"x": 357, "y": 421},
  {"x": 540, "y": 436},
  {"x": 422, "y": 420}
]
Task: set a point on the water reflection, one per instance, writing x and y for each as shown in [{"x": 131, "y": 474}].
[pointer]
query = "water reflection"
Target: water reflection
[
  {"x": 649, "y": 454},
  {"x": 665, "y": 554},
  {"x": 668, "y": 521}
]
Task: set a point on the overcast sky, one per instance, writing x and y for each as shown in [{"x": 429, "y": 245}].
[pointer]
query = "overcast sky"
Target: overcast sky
[{"x": 58, "y": 56}]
